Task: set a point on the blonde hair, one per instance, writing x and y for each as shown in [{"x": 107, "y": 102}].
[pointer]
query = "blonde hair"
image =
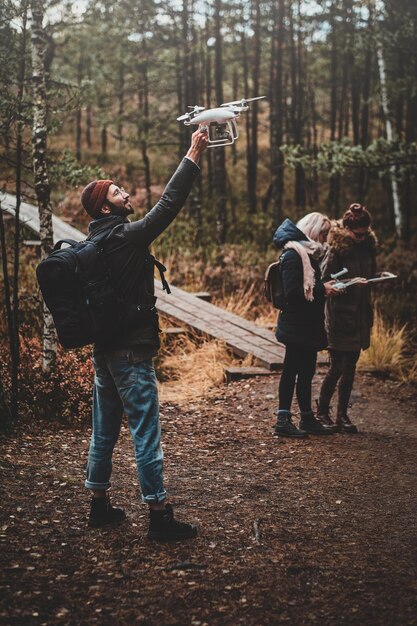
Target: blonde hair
[{"x": 313, "y": 224}]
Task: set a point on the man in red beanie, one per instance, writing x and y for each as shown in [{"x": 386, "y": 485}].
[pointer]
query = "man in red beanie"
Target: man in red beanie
[{"x": 124, "y": 381}]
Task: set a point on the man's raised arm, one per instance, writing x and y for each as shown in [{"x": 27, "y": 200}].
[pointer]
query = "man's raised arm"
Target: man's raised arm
[{"x": 175, "y": 194}]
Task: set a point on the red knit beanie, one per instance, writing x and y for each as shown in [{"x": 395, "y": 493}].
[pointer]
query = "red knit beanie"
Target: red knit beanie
[
  {"x": 357, "y": 217},
  {"x": 94, "y": 195}
]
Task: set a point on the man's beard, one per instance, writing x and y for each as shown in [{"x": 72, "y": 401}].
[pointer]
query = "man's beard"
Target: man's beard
[{"x": 123, "y": 211}]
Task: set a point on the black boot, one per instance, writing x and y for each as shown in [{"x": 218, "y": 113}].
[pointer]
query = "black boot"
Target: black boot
[
  {"x": 163, "y": 526},
  {"x": 345, "y": 425},
  {"x": 323, "y": 416},
  {"x": 345, "y": 389},
  {"x": 309, "y": 423},
  {"x": 102, "y": 513},
  {"x": 326, "y": 393},
  {"x": 285, "y": 428}
]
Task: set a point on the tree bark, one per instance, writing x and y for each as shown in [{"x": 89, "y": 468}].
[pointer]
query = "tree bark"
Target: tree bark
[
  {"x": 88, "y": 121},
  {"x": 390, "y": 137},
  {"x": 103, "y": 141},
  {"x": 333, "y": 197},
  {"x": 8, "y": 415},
  {"x": 15, "y": 343},
  {"x": 209, "y": 153},
  {"x": 144, "y": 123},
  {"x": 366, "y": 91},
  {"x": 277, "y": 109},
  {"x": 121, "y": 98},
  {"x": 253, "y": 148},
  {"x": 78, "y": 129},
  {"x": 297, "y": 106},
  {"x": 42, "y": 186},
  {"x": 219, "y": 155}
]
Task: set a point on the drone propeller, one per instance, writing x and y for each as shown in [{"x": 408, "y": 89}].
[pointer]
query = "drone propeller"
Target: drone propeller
[
  {"x": 181, "y": 118},
  {"x": 242, "y": 102},
  {"x": 196, "y": 108}
]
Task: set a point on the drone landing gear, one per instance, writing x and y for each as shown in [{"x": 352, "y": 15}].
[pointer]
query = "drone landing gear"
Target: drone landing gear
[{"x": 222, "y": 134}]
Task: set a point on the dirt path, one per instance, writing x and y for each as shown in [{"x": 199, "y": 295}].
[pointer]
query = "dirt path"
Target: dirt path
[{"x": 297, "y": 532}]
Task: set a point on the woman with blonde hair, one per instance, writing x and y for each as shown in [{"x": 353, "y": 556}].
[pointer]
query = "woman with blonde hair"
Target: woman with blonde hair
[{"x": 301, "y": 321}]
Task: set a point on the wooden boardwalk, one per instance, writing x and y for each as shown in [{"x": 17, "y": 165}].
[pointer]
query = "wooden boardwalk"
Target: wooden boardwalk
[{"x": 242, "y": 336}]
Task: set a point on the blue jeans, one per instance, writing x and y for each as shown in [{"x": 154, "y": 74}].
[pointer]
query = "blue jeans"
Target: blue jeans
[{"x": 122, "y": 386}]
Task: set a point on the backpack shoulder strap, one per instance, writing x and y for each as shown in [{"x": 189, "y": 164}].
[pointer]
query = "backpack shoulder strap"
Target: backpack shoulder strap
[
  {"x": 70, "y": 242},
  {"x": 161, "y": 269}
]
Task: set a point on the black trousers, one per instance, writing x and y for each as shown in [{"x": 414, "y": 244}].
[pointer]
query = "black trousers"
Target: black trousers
[
  {"x": 342, "y": 368},
  {"x": 298, "y": 371}
]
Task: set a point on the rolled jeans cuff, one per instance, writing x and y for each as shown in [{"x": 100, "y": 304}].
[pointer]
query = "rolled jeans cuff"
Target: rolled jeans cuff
[
  {"x": 157, "y": 497},
  {"x": 97, "y": 486}
]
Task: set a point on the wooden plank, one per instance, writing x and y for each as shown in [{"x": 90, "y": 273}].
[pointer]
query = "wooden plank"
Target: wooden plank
[
  {"x": 237, "y": 373},
  {"x": 202, "y": 295},
  {"x": 175, "y": 330},
  {"x": 209, "y": 308},
  {"x": 269, "y": 352},
  {"x": 29, "y": 216}
]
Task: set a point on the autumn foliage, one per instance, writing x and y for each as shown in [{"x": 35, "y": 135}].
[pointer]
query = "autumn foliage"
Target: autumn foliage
[{"x": 64, "y": 394}]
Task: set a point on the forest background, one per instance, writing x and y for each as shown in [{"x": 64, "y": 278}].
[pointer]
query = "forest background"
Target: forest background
[{"x": 93, "y": 89}]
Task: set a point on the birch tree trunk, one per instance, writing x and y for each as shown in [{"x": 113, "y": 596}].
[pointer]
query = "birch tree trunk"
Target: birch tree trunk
[
  {"x": 42, "y": 187},
  {"x": 390, "y": 136}
]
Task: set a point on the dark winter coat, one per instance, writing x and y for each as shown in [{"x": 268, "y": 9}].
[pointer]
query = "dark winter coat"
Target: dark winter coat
[
  {"x": 349, "y": 317},
  {"x": 128, "y": 257},
  {"x": 300, "y": 322}
]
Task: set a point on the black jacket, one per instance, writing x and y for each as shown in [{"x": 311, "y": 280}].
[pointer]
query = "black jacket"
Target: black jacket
[
  {"x": 127, "y": 254},
  {"x": 300, "y": 322}
]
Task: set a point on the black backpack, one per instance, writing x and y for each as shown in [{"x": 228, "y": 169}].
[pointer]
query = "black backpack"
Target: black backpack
[
  {"x": 76, "y": 286},
  {"x": 273, "y": 288}
]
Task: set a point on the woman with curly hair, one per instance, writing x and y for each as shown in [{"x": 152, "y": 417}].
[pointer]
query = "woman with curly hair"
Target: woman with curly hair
[{"x": 349, "y": 318}]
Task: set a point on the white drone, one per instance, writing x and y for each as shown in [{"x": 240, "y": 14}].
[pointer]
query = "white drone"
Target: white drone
[{"x": 220, "y": 123}]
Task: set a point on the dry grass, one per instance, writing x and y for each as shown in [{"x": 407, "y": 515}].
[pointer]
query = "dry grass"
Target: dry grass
[
  {"x": 192, "y": 365},
  {"x": 387, "y": 353},
  {"x": 245, "y": 302}
]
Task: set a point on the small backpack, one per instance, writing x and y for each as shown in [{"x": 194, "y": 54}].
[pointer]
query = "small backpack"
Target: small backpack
[
  {"x": 273, "y": 287},
  {"x": 76, "y": 286}
]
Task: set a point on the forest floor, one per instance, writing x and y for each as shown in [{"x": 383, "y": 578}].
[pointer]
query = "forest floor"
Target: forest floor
[{"x": 319, "y": 531}]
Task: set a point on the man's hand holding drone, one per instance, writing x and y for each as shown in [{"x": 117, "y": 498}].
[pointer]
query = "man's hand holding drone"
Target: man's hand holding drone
[{"x": 199, "y": 141}]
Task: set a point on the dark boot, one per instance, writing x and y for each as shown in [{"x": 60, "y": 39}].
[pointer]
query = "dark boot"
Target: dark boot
[
  {"x": 345, "y": 389},
  {"x": 102, "y": 513},
  {"x": 346, "y": 425},
  {"x": 163, "y": 526},
  {"x": 326, "y": 393},
  {"x": 309, "y": 423},
  {"x": 324, "y": 418},
  {"x": 285, "y": 428}
]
